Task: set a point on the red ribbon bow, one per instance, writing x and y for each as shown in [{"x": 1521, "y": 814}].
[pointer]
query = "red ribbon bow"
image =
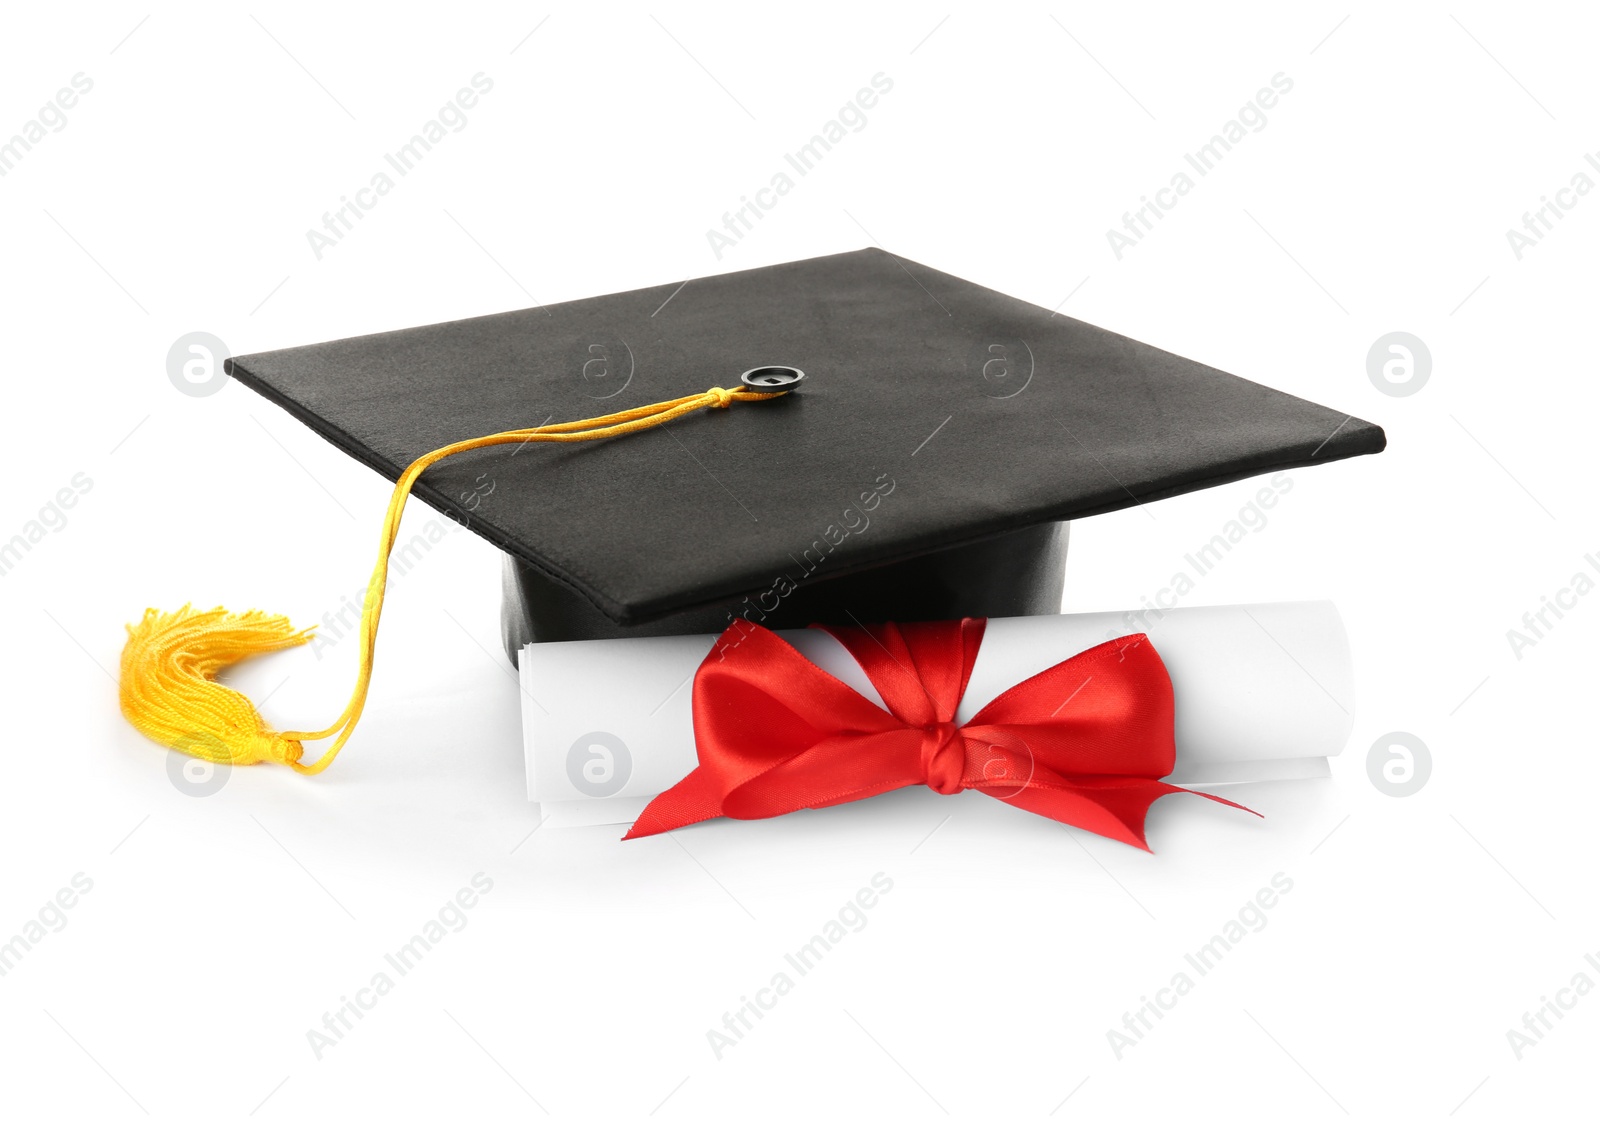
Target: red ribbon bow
[{"x": 1085, "y": 742}]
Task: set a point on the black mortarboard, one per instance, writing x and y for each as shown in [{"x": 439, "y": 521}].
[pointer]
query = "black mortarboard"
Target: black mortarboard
[{"x": 925, "y": 468}]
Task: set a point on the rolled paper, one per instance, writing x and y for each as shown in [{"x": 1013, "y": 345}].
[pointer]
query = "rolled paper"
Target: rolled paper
[{"x": 1263, "y": 693}]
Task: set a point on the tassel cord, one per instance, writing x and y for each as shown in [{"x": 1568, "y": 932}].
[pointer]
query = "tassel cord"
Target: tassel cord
[{"x": 168, "y": 689}]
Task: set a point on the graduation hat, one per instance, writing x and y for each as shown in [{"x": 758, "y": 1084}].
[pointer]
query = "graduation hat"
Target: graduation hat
[{"x": 913, "y": 447}]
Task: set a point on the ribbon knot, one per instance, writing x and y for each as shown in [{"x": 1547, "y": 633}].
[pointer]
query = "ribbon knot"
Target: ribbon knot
[
  {"x": 944, "y": 757},
  {"x": 1085, "y": 742}
]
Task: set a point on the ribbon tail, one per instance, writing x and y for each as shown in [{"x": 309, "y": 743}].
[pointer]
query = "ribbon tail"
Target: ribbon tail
[
  {"x": 696, "y": 798},
  {"x": 1223, "y": 801},
  {"x": 1115, "y": 807}
]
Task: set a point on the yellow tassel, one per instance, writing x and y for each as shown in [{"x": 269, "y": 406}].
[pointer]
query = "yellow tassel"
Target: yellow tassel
[{"x": 168, "y": 687}]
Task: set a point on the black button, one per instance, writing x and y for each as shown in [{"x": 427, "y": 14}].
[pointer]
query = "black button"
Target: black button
[{"x": 771, "y": 378}]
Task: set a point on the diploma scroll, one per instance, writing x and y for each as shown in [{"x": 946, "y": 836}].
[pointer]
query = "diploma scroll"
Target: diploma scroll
[{"x": 1263, "y": 693}]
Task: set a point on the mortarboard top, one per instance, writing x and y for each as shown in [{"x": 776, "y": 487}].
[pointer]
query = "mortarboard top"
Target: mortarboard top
[{"x": 924, "y": 469}]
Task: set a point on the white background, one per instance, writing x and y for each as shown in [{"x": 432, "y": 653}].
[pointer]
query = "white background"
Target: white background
[{"x": 219, "y": 929}]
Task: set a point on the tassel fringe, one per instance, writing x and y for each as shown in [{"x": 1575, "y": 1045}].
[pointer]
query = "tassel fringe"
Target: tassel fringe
[{"x": 169, "y": 689}]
